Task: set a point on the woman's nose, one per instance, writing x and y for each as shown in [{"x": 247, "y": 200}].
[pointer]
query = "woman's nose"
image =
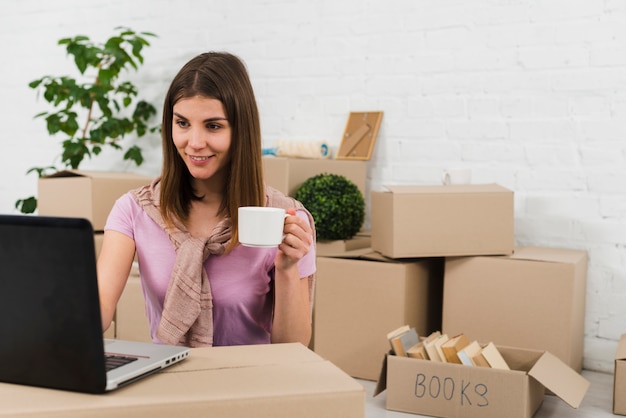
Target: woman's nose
[{"x": 196, "y": 139}]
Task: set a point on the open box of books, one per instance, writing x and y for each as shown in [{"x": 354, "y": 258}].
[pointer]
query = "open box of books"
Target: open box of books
[{"x": 511, "y": 382}]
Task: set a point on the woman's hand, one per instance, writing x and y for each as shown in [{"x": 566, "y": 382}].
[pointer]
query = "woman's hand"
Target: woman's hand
[
  {"x": 298, "y": 238},
  {"x": 292, "y": 309}
]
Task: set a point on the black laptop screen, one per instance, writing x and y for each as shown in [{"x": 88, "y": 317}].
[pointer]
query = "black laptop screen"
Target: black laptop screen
[{"x": 50, "y": 328}]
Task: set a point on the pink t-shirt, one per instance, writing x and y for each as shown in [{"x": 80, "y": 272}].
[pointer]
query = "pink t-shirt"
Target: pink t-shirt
[{"x": 241, "y": 281}]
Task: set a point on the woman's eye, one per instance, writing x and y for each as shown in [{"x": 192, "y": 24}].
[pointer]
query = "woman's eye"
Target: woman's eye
[
  {"x": 182, "y": 123},
  {"x": 213, "y": 126}
]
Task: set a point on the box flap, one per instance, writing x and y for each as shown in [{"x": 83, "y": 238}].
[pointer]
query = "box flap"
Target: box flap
[
  {"x": 428, "y": 189},
  {"x": 381, "y": 384},
  {"x": 621, "y": 349},
  {"x": 376, "y": 256},
  {"x": 369, "y": 255},
  {"x": 559, "y": 378},
  {"x": 356, "y": 254},
  {"x": 64, "y": 173}
]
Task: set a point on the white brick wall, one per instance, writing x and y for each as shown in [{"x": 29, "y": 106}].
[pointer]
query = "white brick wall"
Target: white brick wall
[{"x": 529, "y": 94}]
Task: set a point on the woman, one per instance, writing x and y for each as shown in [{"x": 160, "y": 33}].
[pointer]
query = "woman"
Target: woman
[{"x": 200, "y": 285}]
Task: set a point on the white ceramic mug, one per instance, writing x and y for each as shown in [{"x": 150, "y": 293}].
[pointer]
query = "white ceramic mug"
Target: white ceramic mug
[
  {"x": 453, "y": 176},
  {"x": 261, "y": 226}
]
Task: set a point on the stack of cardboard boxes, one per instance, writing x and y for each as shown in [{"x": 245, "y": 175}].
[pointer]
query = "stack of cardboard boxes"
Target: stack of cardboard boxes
[
  {"x": 530, "y": 297},
  {"x": 443, "y": 257},
  {"x": 413, "y": 229}
]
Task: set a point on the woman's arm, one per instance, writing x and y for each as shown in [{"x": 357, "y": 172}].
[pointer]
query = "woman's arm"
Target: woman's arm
[
  {"x": 114, "y": 264},
  {"x": 292, "y": 310}
]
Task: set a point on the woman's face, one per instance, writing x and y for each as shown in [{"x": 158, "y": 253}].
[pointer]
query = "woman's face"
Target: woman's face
[{"x": 202, "y": 135}]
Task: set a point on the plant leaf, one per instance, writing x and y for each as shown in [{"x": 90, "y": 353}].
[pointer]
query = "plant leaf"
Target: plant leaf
[{"x": 27, "y": 205}]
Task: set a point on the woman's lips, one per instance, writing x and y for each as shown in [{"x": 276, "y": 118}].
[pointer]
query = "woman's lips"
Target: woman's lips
[{"x": 199, "y": 159}]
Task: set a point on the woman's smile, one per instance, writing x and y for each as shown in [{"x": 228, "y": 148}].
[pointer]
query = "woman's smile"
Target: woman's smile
[{"x": 198, "y": 159}]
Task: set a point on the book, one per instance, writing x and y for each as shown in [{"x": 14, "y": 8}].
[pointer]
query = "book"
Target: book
[
  {"x": 417, "y": 351},
  {"x": 404, "y": 342},
  {"x": 451, "y": 347},
  {"x": 402, "y": 339},
  {"x": 468, "y": 355},
  {"x": 429, "y": 346},
  {"x": 396, "y": 332},
  {"x": 493, "y": 357},
  {"x": 438, "y": 343},
  {"x": 479, "y": 360}
]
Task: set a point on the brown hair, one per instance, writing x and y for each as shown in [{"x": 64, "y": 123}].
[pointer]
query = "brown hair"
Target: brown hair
[{"x": 224, "y": 77}]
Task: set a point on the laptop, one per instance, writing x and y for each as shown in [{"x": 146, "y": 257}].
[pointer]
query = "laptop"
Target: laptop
[{"x": 50, "y": 326}]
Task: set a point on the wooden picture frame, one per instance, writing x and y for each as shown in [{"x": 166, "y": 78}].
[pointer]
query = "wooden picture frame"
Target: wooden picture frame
[{"x": 359, "y": 136}]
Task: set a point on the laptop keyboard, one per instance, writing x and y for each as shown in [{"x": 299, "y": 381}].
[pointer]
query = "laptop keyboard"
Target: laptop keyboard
[{"x": 112, "y": 361}]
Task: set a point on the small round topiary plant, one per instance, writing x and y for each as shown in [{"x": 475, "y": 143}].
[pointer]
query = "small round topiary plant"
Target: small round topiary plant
[{"x": 336, "y": 203}]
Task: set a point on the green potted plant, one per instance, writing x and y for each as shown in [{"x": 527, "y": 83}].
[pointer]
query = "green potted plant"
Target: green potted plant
[
  {"x": 336, "y": 203},
  {"x": 97, "y": 109}
]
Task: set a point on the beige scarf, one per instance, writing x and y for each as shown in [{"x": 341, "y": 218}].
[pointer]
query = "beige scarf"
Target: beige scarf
[{"x": 187, "y": 317}]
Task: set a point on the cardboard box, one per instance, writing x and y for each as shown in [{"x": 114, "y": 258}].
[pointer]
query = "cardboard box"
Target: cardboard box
[
  {"x": 619, "y": 378},
  {"x": 360, "y": 298},
  {"x": 272, "y": 380},
  {"x": 455, "y": 390},
  {"x": 131, "y": 319},
  {"x": 85, "y": 194},
  {"x": 435, "y": 221},
  {"x": 336, "y": 247},
  {"x": 534, "y": 298},
  {"x": 287, "y": 174}
]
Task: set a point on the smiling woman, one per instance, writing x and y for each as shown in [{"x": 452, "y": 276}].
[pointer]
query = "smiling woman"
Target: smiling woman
[{"x": 201, "y": 286}]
